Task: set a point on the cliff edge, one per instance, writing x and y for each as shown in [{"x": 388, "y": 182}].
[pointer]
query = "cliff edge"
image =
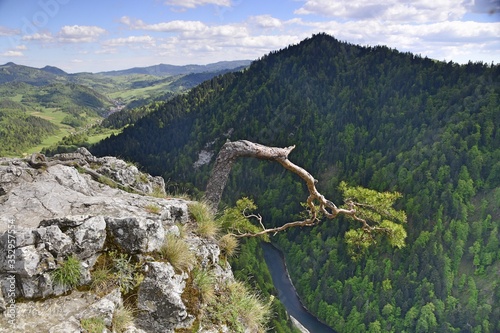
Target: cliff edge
[{"x": 86, "y": 247}]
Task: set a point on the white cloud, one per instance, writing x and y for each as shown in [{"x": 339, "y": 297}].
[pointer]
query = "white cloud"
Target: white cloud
[
  {"x": 21, "y": 47},
  {"x": 196, "y": 3},
  {"x": 266, "y": 21},
  {"x": 4, "y": 31},
  {"x": 43, "y": 37},
  {"x": 170, "y": 26},
  {"x": 389, "y": 11},
  {"x": 12, "y": 53},
  {"x": 79, "y": 33},
  {"x": 218, "y": 31},
  {"x": 131, "y": 40},
  {"x": 268, "y": 42}
]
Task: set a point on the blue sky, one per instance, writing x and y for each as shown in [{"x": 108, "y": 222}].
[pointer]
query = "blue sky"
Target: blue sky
[{"x": 100, "y": 35}]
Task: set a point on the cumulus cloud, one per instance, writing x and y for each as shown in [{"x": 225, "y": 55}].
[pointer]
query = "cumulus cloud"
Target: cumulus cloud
[
  {"x": 266, "y": 21},
  {"x": 196, "y": 3},
  {"x": 12, "y": 53},
  {"x": 43, "y": 37},
  {"x": 170, "y": 26},
  {"x": 80, "y": 33},
  {"x": 390, "y": 10}
]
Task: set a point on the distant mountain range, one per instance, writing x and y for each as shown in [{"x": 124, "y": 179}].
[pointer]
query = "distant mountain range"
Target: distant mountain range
[
  {"x": 11, "y": 72},
  {"x": 169, "y": 70}
]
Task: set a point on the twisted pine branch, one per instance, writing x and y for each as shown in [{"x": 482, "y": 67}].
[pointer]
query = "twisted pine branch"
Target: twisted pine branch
[{"x": 230, "y": 151}]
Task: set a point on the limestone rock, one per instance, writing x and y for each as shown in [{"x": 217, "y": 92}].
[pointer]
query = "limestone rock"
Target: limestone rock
[
  {"x": 159, "y": 299},
  {"x": 136, "y": 235},
  {"x": 48, "y": 214},
  {"x": 104, "y": 308}
]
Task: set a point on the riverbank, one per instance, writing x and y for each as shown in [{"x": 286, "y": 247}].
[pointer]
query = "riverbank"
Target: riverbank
[{"x": 287, "y": 293}]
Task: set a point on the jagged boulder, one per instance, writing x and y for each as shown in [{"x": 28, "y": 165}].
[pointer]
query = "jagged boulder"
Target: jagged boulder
[
  {"x": 135, "y": 234},
  {"x": 159, "y": 299}
]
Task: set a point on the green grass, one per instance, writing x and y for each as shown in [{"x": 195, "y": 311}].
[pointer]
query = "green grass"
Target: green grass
[
  {"x": 152, "y": 208},
  {"x": 93, "y": 325},
  {"x": 68, "y": 274},
  {"x": 204, "y": 281},
  {"x": 240, "y": 309},
  {"x": 228, "y": 245},
  {"x": 113, "y": 270},
  {"x": 204, "y": 217},
  {"x": 94, "y": 138},
  {"x": 130, "y": 94},
  {"x": 123, "y": 317}
]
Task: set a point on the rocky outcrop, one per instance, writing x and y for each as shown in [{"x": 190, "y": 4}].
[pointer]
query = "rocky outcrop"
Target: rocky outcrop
[
  {"x": 160, "y": 302},
  {"x": 80, "y": 207}
]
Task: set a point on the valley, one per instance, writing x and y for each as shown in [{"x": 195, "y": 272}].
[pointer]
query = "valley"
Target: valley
[{"x": 77, "y": 103}]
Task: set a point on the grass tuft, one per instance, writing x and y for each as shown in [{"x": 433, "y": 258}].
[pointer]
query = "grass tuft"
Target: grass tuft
[
  {"x": 115, "y": 270},
  {"x": 228, "y": 245},
  {"x": 240, "y": 309},
  {"x": 93, "y": 325},
  {"x": 152, "y": 208},
  {"x": 69, "y": 273},
  {"x": 204, "y": 281},
  {"x": 177, "y": 252},
  {"x": 202, "y": 214},
  {"x": 123, "y": 317}
]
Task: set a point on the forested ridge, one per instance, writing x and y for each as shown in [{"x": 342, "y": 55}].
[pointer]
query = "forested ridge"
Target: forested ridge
[{"x": 371, "y": 116}]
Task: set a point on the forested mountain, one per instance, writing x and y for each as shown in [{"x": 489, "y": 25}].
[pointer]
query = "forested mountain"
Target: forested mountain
[{"x": 371, "y": 116}]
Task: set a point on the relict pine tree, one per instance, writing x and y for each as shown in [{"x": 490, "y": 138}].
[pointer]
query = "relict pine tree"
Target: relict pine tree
[{"x": 372, "y": 210}]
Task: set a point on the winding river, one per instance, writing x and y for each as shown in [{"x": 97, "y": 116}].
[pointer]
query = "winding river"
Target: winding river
[{"x": 286, "y": 291}]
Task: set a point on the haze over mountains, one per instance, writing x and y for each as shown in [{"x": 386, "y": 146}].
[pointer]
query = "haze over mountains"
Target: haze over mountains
[{"x": 371, "y": 116}]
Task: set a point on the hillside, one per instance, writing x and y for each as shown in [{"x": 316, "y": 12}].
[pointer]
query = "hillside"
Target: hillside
[
  {"x": 172, "y": 70},
  {"x": 371, "y": 116},
  {"x": 75, "y": 102},
  {"x": 28, "y": 113}
]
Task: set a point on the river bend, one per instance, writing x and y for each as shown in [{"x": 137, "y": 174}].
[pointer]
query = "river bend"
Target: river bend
[{"x": 286, "y": 291}]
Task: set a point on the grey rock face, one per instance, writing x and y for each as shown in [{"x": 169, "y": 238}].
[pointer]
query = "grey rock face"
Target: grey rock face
[
  {"x": 49, "y": 214},
  {"x": 104, "y": 308},
  {"x": 159, "y": 299},
  {"x": 136, "y": 235}
]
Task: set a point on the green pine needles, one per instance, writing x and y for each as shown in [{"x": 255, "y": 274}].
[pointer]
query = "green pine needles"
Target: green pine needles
[{"x": 377, "y": 215}]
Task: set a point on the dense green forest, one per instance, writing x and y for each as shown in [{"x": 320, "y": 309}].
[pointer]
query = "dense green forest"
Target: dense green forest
[
  {"x": 371, "y": 116},
  {"x": 18, "y": 129}
]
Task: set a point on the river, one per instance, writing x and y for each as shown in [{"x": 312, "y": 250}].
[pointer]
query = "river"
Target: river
[{"x": 286, "y": 292}]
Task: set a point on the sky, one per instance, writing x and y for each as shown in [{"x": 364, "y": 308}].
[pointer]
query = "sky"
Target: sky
[{"x": 102, "y": 35}]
